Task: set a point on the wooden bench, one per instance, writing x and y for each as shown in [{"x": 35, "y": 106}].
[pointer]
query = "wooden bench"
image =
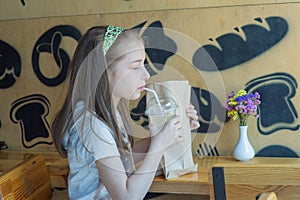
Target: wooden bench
[
  {"x": 29, "y": 179},
  {"x": 56, "y": 165}
]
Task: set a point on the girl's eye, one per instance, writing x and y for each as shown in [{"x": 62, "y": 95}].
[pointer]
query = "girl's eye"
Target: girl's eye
[{"x": 137, "y": 66}]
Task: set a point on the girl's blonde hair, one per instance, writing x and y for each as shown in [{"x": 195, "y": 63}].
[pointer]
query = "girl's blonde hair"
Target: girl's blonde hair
[{"x": 89, "y": 83}]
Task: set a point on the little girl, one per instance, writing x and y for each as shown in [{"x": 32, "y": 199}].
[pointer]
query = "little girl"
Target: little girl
[{"x": 92, "y": 128}]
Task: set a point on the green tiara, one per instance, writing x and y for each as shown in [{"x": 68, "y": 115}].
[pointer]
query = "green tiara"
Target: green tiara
[{"x": 110, "y": 36}]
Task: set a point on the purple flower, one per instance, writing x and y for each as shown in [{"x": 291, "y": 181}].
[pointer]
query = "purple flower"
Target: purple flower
[
  {"x": 231, "y": 95},
  {"x": 257, "y": 96},
  {"x": 242, "y": 104}
]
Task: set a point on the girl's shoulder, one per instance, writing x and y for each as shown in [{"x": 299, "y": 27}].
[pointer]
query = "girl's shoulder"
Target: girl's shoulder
[
  {"x": 89, "y": 125},
  {"x": 80, "y": 115}
]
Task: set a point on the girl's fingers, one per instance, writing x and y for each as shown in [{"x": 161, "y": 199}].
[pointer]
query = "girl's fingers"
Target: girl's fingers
[
  {"x": 175, "y": 120},
  {"x": 195, "y": 124},
  {"x": 192, "y": 115},
  {"x": 179, "y": 129},
  {"x": 191, "y": 110},
  {"x": 191, "y": 106}
]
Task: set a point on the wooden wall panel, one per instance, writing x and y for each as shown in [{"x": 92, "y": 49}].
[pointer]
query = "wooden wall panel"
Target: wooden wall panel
[
  {"x": 24, "y": 9},
  {"x": 43, "y": 88},
  {"x": 201, "y": 25},
  {"x": 271, "y": 63}
]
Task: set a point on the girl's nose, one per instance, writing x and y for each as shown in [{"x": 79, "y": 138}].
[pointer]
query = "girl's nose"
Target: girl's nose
[{"x": 146, "y": 75}]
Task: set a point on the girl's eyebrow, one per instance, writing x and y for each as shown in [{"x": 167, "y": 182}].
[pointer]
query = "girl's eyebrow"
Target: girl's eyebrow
[{"x": 139, "y": 60}]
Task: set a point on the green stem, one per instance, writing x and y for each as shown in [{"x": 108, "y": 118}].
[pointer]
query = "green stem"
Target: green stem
[{"x": 243, "y": 119}]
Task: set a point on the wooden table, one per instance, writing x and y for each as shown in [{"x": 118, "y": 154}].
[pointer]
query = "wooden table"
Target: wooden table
[
  {"x": 193, "y": 183},
  {"x": 281, "y": 175},
  {"x": 244, "y": 180},
  {"x": 241, "y": 180}
]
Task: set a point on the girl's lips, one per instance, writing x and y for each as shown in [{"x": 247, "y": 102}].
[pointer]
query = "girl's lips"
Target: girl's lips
[{"x": 141, "y": 88}]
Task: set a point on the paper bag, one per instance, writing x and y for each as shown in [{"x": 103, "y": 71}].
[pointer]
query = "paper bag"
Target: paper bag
[{"x": 177, "y": 159}]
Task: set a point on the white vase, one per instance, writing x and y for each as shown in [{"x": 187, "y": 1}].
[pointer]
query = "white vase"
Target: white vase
[{"x": 243, "y": 150}]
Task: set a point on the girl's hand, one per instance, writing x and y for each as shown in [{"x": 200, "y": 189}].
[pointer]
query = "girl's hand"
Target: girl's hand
[
  {"x": 192, "y": 114},
  {"x": 170, "y": 134}
]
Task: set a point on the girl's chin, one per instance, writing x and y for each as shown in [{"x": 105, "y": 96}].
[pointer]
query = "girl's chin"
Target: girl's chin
[{"x": 135, "y": 96}]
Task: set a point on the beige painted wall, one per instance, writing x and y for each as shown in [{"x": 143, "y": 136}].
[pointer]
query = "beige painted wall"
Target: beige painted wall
[{"x": 190, "y": 24}]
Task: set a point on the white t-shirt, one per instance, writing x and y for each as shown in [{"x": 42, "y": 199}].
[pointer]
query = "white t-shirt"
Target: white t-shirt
[{"x": 86, "y": 144}]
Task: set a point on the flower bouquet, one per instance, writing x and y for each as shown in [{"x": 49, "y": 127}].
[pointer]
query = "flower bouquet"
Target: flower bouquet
[{"x": 241, "y": 105}]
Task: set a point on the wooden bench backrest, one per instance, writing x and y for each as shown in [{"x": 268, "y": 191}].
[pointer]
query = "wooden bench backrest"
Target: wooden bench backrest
[{"x": 28, "y": 180}]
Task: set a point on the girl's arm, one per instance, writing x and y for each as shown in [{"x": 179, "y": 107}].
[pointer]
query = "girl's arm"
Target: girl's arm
[
  {"x": 113, "y": 174},
  {"x": 140, "y": 148},
  {"x": 142, "y": 145}
]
